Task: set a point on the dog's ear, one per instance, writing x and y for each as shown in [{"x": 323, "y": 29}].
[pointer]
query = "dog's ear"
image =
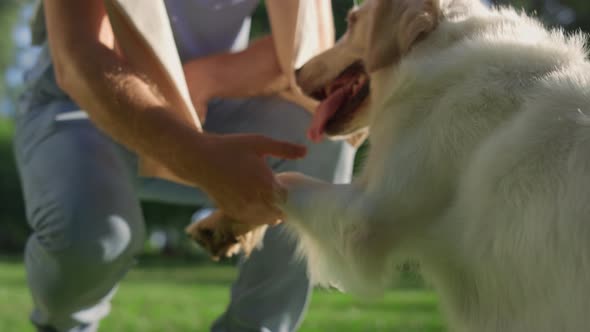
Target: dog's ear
[{"x": 395, "y": 26}]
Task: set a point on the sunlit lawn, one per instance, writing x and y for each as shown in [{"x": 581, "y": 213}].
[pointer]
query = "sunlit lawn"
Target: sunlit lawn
[{"x": 179, "y": 295}]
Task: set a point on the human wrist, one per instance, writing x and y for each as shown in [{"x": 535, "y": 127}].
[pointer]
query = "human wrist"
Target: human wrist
[
  {"x": 200, "y": 80},
  {"x": 171, "y": 142},
  {"x": 192, "y": 157}
]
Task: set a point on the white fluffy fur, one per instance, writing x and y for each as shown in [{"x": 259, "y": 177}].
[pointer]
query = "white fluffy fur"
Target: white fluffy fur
[{"x": 479, "y": 168}]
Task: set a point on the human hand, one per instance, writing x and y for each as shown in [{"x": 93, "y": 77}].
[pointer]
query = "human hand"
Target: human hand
[{"x": 238, "y": 179}]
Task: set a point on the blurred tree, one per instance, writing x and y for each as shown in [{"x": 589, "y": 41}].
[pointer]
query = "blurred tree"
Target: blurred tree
[
  {"x": 13, "y": 230},
  {"x": 8, "y": 18},
  {"x": 570, "y": 14},
  {"x": 260, "y": 24},
  {"x": 341, "y": 8}
]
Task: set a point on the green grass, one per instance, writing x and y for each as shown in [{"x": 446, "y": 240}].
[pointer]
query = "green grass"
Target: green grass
[
  {"x": 6, "y": 129},
  {"x": 177, "y": 295}
]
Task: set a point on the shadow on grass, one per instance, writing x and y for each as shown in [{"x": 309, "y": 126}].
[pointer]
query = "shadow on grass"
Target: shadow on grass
[
  {"x": 149, "y": 269},
  {"x": 11, "y": 259},
  {"x": 182, "y": 270}
]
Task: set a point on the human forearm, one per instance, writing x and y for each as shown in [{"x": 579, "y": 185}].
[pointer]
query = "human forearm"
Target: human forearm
[
  {"x": 128, "y": 108},
  {"x": 119, "y": 100},
  {"x": 253, "y": 71},
  {"x": 145, "y": 116}
]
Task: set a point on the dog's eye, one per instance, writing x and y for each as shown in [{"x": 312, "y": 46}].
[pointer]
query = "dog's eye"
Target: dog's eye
[{"x": 351, "y": 17}]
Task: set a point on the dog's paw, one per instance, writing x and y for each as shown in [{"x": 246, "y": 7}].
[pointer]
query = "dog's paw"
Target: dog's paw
[
  {"x": 221, "y": 236},
  {"x": 303, "y": 194}
]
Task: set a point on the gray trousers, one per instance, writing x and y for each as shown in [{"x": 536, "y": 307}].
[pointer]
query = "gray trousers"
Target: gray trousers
[{"x": 82, "y": 197}]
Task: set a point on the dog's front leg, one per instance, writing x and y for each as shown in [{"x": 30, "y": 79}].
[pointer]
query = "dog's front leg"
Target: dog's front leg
[{"x": 337, "y": 232}]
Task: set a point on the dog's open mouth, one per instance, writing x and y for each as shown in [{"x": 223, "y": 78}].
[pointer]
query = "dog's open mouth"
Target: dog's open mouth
[{"x": 340, "y": 99}]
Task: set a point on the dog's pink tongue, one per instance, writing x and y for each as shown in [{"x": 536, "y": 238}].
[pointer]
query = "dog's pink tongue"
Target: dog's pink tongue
[{"x": 325, "y": 111}]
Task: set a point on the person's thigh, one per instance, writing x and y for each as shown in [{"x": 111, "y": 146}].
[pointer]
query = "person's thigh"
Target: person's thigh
[{"x": 81, "y": 204}]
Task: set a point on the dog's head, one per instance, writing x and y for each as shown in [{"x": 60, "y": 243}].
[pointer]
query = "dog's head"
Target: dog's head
[{"x": 380, "y": 33}]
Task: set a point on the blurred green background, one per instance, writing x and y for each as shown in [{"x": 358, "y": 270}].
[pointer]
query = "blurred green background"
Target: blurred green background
[{"x": 175, "y": 287}]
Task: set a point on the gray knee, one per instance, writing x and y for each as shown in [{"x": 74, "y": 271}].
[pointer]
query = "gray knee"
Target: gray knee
[
  {"x": 76, "y": 255},
  {"x": 88, "y": 231}
]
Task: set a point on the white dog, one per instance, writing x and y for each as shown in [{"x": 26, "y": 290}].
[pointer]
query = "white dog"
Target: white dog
[{"x": 479, "y": 163}]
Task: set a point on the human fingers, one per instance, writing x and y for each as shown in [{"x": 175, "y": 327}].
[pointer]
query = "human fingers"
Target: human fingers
[{"x": 265, "y": 146}]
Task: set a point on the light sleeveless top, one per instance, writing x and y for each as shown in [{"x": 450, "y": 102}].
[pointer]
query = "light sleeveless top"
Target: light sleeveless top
[
  {"x": 200, "y": 28},
  {"x": 203, "y": 27}
]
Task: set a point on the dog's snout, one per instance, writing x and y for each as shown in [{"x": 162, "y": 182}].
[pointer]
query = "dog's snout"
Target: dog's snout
[
  {"x": 300, "y": 78},
  {"x": 311, "y": 76}
]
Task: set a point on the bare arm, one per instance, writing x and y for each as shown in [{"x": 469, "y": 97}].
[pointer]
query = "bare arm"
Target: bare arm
[
  {"x": 117, "y": 98},
  {"x": 122, "y": 103},
  {"x": 259, "y": 69},
  {"x": 253, "y": 71}
]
